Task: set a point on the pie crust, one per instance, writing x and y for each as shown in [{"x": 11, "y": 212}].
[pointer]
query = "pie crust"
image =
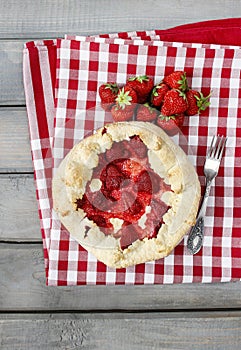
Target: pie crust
[{"x": 166, "y": 159}]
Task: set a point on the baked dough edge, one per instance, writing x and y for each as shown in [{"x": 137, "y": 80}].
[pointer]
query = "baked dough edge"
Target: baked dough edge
[{"x": 65, "y": 189}]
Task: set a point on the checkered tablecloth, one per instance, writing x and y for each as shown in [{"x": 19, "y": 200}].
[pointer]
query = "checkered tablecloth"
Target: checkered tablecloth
[{"x": 61, "y": 86}]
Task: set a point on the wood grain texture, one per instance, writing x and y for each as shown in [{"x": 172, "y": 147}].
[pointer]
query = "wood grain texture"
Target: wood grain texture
[
  {"x": 15, "y": 153},
  {"x": 54, "y": 18},
  {"x": 23, "y": 288},
  {"x": 122, "y": 331},
  {"x": 18, "y": 209},
  {"x": 11, "y": 73},
  {"x": 22, "y": 276},
  {"x": 29, "y": 20}
]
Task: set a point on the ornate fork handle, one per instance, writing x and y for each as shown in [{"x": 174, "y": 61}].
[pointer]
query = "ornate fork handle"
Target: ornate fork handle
[
  {"x": 195, "y": 238},
  {"x": 211, "y": 167}
]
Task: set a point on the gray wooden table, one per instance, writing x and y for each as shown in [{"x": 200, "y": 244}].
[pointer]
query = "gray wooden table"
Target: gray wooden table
[{"x": 33, "y": 316}]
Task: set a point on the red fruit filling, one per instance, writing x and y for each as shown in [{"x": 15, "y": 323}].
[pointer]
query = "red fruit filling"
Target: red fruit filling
[{"x": 128, "y": 186}]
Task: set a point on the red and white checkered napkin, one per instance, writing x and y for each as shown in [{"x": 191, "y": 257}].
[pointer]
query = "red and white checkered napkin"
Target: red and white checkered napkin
[
  {"x": 39, "y": 74},
  {"x": 82, "y": 65}
]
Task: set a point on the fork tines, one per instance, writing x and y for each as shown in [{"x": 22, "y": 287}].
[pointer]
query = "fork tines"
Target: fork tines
[{"x": 217, "y": 147}]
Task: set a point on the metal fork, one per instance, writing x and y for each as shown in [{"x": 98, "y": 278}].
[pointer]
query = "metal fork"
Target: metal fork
[{"x": 211, "y": 167}]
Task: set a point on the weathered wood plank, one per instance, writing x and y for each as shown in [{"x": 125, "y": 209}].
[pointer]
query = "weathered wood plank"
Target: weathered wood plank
[
  {"x": 11, "y": 76},
  {"x": 54, "y": 18},
  {"x": 15, "y": 155},
  {"x": 23, "y": 288},
  {"x": 18, "y": 209},
  {"x": 122, "y": 331}
]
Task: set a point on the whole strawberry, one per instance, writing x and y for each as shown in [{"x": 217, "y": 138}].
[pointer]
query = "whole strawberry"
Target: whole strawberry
[
  {"x": 177, "y": 80},
  {"x": 174, "y": 103},
  {"x": 108, "y": 93},
  {"x": 146, "y": 113},
  {"x": 121, "y": 115},
  {"x": 126, "y": 98},
  {"x": 196, "y": 101},
  {"x": 171, "y": 124},
  {"x": 143, "y": 86},
  {"x": 158, "y": 93}
]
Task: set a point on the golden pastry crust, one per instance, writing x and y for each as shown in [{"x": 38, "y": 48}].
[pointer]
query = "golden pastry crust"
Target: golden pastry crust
[{"x": 165, "y": 157}]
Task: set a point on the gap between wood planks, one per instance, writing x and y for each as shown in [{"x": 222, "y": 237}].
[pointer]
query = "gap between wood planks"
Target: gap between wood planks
[
  {"x": 204, "y": 312},
  {"x": 20, "y": 241}
]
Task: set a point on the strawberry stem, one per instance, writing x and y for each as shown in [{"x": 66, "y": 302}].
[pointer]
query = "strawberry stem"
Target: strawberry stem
[
  {"x": 113, "y": 87},
  {"x": 183, "y": 83},
  {"x": 140, "y": 78},
  {"x": 167, "y": 117},
  {"x": 151, "y": 109},
  {"x": 123, "y": 99},
  {"x": 202, "y": 101}
]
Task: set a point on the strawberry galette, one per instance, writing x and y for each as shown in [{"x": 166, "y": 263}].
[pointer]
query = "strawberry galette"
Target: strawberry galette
[{"x": 127, "y": 193}]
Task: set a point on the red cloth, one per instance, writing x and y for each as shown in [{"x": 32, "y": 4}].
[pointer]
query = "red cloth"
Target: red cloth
[{"x": 221, "y": 31}]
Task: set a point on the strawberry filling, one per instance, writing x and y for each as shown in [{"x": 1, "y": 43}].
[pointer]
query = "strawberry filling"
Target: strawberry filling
[{"x": 128, "y": 187}]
